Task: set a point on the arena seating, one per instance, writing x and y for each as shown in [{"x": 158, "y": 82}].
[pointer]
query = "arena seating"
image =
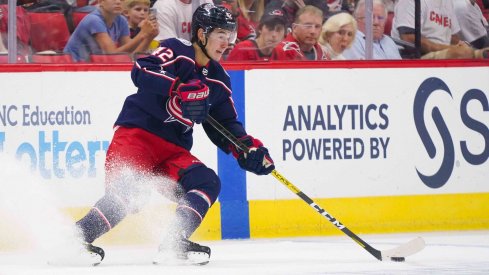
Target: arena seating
[{"x": 49, "y": 31}]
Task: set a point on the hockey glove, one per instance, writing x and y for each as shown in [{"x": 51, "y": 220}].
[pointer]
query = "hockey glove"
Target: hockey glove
[
  {"x": 257, "y": 160},
  {"x": 194, "y": 100}
]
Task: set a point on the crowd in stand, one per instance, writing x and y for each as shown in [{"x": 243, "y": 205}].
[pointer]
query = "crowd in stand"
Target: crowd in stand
[{"x": 267, "y": 29}]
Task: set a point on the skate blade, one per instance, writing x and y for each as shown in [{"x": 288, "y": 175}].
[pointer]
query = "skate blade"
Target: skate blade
[
  {"x": 191, "y": 258},
  {"x": 76, "y": 259},
  {"x": 197, "y": 258}
]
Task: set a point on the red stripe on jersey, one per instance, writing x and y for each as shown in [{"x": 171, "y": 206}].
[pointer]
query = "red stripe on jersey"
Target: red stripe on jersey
[{"x": 220, "y": 83}]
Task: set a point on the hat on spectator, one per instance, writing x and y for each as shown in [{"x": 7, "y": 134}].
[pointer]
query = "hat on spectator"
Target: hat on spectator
[{"x": 273, "y": 15}]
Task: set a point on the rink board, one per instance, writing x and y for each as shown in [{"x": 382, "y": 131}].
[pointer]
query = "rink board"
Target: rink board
[{"x": 345, "y": 135}]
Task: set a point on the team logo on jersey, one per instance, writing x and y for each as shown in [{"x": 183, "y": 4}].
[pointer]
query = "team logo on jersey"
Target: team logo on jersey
[
  {"x": 175, "y": 112},
  {"x": 205, "y": 71},
  {"x": 276, "y": 13}
]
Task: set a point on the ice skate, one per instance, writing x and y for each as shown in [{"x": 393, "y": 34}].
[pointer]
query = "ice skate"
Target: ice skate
[
  {"x": 182, "y": 251},
  {"x": 95, "y": 253},
  {"x": 86, "y": 255}
]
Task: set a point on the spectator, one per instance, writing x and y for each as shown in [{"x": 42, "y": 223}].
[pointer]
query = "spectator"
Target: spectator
[
  {"x": 271, "y": 31},
  {"x": 248, "y": 14},
  {"x": 106, "y": 31},
  {"x": 175, "y": 17},
  {"x": 439, "y": 28},
  {"x": 473, "y": 25},
  {"x": 291, "y": 7},
  {"x": 135, "y": 12},
  {"x": 302, "y": 42},
  {"x": 338, "y": 34},
  {"x": 383, "y": 46}
]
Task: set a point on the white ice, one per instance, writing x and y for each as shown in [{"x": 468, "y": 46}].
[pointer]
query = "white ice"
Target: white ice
[
  {"x": 445, "y": 253},
  {"x": 36, "y": 215}
]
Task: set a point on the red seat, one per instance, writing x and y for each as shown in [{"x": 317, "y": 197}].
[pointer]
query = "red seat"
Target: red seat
[
  {"x": 78, "y": 16},
  {"x": 49, "y": 31},
  {"x": 4, "y": 58},
  {"x": 51, "y": 58},
  {"x": 81, "y": 3},
  {"x": 388, "y": 23},
  {"x": 111, "y": 58}
]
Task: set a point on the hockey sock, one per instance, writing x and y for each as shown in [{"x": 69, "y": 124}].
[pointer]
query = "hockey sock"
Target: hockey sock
[
  {"x": 191, "y": 211},
  {"x": 106, "y": 213}
]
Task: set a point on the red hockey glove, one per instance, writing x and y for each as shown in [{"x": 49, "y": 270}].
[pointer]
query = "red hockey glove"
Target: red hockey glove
[
  {"x": 257, "y": 160},
  {"x": 194, "y": 100}
]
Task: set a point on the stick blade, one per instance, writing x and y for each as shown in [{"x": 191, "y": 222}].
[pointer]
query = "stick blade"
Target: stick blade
[{"x": 404, "y": 250}]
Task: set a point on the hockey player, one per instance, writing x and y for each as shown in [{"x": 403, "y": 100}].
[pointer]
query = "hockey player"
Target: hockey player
[{"x": 179, "y": 85}]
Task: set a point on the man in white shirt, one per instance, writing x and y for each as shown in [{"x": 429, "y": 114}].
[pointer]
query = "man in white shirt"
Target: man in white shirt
[
  {"x": 383, "y": 46},
  {"x": 439, "y": 30},
  {"x": 473, "y": 25},
  {"x": 175, "y": 17}
]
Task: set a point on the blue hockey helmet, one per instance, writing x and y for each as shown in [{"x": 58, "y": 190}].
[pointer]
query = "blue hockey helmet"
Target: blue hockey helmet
[{"x": 209, "y": 17}]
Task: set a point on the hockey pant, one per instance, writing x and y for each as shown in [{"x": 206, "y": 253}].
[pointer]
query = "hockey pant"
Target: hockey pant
[{"x": 137, "y": 162}]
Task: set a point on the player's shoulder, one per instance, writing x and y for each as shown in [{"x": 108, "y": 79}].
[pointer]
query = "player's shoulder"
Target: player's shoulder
[
  {"x": 177, "y": 44},
  {"x": 179, "y": 47},
  {"x": 218, "y": 70},
  {"x": 216, "y": 73}
]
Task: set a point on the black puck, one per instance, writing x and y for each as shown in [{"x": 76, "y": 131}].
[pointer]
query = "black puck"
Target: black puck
[{"x": 398, "y": 259}]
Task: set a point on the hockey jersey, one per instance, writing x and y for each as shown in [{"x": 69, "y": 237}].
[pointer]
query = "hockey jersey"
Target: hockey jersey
[
  {"x": 247, "y": 51},
  {"x": 155, "y": 106},
  {"x": 289, "y": 49}
]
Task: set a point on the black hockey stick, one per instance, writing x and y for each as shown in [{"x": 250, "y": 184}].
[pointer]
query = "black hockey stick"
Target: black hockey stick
[{"x": 397, "y": 254}]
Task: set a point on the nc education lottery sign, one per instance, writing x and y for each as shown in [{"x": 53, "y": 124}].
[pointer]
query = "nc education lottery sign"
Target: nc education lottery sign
[
  {"x": 371, "y": 132},
  {"x": 60, "y": 125}
]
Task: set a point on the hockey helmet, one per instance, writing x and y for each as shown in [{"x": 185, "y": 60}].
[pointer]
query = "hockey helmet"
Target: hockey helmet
[{"x": 209, "y": 17}]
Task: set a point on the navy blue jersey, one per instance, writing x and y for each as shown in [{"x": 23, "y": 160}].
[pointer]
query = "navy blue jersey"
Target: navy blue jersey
[{"x": 156, "y": 108}]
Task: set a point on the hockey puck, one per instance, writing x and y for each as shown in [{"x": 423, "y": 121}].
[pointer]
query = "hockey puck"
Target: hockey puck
[{"x": 398, "y": 259}]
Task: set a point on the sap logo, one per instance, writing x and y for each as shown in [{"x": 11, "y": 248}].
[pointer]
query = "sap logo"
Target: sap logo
[{"x": 425, "y": 90}]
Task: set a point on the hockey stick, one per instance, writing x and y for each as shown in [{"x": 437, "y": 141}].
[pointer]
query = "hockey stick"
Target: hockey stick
[{"x": 397, "y": 254}]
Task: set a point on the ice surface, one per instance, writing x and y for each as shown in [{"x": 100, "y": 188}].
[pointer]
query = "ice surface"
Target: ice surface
[
  {"x": 36, "y": 213},
  {"x": 445, "y": 253}
]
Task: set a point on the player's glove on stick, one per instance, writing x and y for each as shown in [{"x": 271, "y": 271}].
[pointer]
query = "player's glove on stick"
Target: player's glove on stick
[
  {"x": 257, "y": 160},
  {"x": 194, "y": 100}
]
